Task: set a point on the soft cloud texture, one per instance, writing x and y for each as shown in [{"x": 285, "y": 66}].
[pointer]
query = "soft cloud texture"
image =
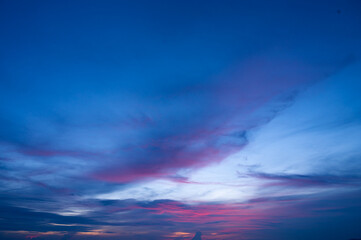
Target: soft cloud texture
[{"x": 158, "y": 120}]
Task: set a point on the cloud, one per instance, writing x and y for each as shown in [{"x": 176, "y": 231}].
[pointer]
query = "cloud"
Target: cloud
[
  {"x": 239, "y": 120},
  {"x": 197, "y": 236},
  {"x": 298, "y": 180}
]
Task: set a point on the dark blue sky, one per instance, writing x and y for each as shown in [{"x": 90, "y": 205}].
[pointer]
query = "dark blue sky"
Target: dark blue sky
[{"x": 158, "y": 119}]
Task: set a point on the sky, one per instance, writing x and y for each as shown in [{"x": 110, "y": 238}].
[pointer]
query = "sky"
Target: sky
[{"x": 173, "y": 120}]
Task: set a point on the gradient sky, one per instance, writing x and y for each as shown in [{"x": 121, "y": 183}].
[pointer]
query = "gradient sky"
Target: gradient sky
[{"x": 154, "y": 120}]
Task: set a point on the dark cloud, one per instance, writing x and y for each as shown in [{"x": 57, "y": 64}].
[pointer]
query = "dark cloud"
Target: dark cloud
[
  {"x": 197, "y": 236},
  {"x": 171, "y": 216},
  {"x": 299, "y": 180}
]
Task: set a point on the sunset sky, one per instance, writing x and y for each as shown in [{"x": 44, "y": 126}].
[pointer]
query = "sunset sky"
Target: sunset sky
[{"x": 154, "y": 120}]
